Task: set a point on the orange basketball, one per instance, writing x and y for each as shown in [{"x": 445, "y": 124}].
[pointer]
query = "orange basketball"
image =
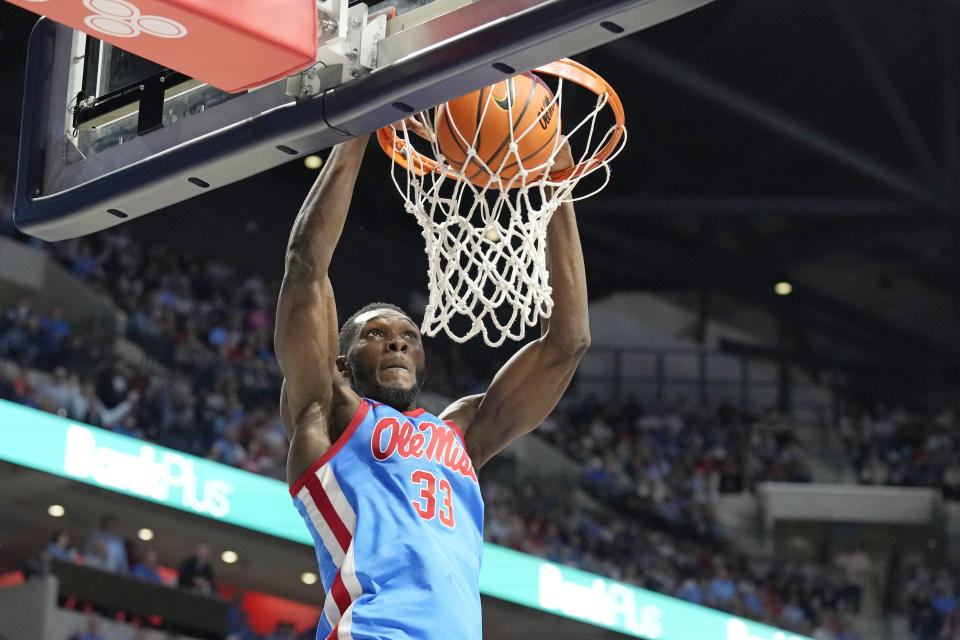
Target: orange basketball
[{"x": 520, "y": 110}]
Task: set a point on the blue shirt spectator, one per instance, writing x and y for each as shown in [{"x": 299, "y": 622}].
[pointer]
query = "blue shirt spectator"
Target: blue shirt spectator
[
  {"x": 722, "y": 589},
  {"x": 147, "y": 568},
  {"x": 60, "y": 547},
  {"x": 116, "y": 551},
  {"x": 690, "y": 591},
  {"x": 945, "y": 602}
]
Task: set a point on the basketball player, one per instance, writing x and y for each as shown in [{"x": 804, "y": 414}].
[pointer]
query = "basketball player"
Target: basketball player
[{"x": 388, "y": 491}]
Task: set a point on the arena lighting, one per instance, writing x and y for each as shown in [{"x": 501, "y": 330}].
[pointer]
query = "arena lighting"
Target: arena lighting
[
  {"x": 313, "y": 162},
  {"x": 308, "y": 577},
  {"x": 783, "y": 288},
  {"x": 56, "y": 510},
  {"x": 229, "y": 557},
  {"x": 145, "y": 534}
]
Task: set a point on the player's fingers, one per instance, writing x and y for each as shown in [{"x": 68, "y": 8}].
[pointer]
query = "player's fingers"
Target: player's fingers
[
  {"x": 419, "y": 125},
  {"x": 422, "y": 128}
]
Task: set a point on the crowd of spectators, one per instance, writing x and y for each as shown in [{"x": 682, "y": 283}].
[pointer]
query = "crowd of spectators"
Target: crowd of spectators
[
  {"x": 930, "y": 597},
  {"x": 892, "y": 446},
  {"x": 215, "y": 394},
  {"x": 164, "y": 405},
  {"x": 672, "y": 461},
  {"x": 107, "y": 550},
  {"x": 814, "y": 599}
]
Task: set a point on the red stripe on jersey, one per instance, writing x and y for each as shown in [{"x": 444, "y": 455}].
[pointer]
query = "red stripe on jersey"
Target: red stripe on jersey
[
  {"x": 339, "y": 594},
  {"x": 333, "y": 632},
  {"x": 339, "y": 530}
]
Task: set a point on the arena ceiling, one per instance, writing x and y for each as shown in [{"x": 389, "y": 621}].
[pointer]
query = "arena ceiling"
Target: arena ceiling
[{"x": 812, "y": 141}]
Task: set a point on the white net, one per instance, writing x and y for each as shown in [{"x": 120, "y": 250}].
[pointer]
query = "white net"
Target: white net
[{"x": 486, "y": 246}]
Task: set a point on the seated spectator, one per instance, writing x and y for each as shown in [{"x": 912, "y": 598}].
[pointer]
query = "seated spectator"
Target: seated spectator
[
  {"x": 238, "y": 625},
  {"x": 98, "y": 557},
  {"x": 113, "y": 551},
  {"x": 61, "y": 547},
  {"x": 856, "y": 569},
  {"x": 54, "y": 331},
  {"x": 691, "y": 591},
  {"x": 147, "y": 568},
  {"x": 196, "y": 572},
  {"x": 228, "y": 449},
  {"x": 721, "y": 591}
]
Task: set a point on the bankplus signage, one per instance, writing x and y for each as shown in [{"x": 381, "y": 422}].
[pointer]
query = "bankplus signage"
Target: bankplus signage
[
  {"x": 163, "y": 476},
  {"x": 621, "y": 607},
  {"x": 129, "y": 466}
]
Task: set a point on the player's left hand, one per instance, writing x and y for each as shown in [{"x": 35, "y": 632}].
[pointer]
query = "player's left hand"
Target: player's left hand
[{"x": 418, "y": 124}]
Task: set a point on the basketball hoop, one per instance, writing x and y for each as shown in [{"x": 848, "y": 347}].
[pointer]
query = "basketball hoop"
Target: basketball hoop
[{"x": 486, "y": 239}]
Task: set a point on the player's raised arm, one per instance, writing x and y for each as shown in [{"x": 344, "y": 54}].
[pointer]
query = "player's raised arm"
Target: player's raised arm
[
  {"x": 531, "y": 383},
  {"x": 306, "y": 329}
]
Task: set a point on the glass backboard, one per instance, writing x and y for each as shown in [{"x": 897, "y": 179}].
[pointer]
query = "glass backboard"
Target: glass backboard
[{"x": 107, "y": 137}]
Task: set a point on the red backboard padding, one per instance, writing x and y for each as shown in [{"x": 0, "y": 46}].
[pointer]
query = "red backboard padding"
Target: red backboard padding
[{"x": 230, "y": 44}]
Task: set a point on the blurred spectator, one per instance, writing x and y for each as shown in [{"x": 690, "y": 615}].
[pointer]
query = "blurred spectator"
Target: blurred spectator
[
  {"x": 857, "y": 570},
  {"x": 98, "y": 556},
  {"x": 53, "y": 334},
  {"x": 721, "y": 591},
  {"x": 93, "y": 630},
  {"x": 61, "y": 547},
  {"x": 107, "y": 546},
  {"x": 227, "y": 448},
  {"x": 238, "y": 626},
  {"x": 691, "y": 591},
  {"x": 147, "y": 567},
  {"x": 196, "y": 571}
]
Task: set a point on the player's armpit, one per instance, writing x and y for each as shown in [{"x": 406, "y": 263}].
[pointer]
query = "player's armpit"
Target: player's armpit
[
  {"x": 520, "y": 397},
  {"x": 311, "y": 439}
]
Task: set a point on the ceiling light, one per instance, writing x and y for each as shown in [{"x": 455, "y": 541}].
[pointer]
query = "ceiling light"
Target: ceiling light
[
  {"x": 229, "y": 556},
  {"x": 783, "y": 288},
  {"x": 145, "y": 534},
  {"x": 56, "y": 510},
  {"x": 308, "y": 577},
  {"x": 313, "y": 162}
]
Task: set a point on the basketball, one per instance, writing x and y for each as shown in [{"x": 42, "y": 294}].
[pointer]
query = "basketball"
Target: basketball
[{"x": 520, "y": 109}]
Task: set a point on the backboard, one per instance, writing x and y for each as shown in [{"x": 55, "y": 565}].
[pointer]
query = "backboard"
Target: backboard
[{"x": 107, "y": 137}]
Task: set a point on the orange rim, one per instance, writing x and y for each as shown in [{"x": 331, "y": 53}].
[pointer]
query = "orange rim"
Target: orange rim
[{"x": 565, "y": 68}]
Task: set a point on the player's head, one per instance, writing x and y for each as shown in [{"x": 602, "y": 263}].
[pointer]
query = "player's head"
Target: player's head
[{"x": 382, "y": 355}]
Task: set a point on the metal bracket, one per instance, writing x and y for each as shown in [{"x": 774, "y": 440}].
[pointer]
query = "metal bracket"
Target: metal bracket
[{"x": 346, "y": 47}]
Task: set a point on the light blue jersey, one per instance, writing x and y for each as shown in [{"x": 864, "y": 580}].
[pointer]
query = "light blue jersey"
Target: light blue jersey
[{"x": 396, "y": 516}]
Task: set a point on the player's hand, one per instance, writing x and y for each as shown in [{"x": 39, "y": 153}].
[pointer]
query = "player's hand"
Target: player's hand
[{"x": 418, "y": 124}]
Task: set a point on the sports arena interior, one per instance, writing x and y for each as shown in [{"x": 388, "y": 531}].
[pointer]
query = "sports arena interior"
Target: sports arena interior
[{"x": 763, "y": 441}]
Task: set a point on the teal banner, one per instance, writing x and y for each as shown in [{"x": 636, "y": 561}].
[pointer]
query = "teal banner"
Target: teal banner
[{"x": 117, "y": 463}]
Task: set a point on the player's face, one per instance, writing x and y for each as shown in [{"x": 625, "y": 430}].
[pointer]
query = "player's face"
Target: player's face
[{"x": 387, "y": 360}]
